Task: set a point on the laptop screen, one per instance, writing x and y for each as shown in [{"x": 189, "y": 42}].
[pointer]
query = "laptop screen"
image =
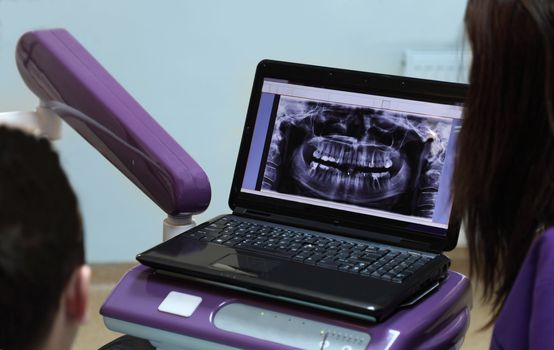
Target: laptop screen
[{"x": 374, "y": 155}]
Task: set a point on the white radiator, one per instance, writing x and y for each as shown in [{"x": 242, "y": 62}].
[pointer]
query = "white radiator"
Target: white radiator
[{"x": 444, "y": 65}]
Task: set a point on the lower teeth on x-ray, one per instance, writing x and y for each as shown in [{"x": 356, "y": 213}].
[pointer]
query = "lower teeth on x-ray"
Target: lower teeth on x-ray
[{"x": 363, "y": 156}]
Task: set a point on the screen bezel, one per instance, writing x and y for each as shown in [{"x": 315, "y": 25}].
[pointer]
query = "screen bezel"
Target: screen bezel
[{"x": 354, "y": 81}]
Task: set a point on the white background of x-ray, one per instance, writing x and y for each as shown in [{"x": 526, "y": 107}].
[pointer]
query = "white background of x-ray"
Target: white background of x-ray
[{"x": 191, "y": 65}]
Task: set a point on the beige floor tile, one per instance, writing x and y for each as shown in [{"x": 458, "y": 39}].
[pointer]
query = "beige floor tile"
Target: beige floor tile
[
  {"x": 94, "y": 334},
  {"x": 476, "y": 339}
]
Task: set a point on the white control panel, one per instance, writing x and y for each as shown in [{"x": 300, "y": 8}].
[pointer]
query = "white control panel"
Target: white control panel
[
  {"x": 180, "y": 304},
  {"x": 288, "y": 330}
]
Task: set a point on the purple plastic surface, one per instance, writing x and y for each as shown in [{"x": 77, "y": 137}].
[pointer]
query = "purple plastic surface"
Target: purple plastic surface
[
  {"x": 437, "y": 322},
  {"x": 527, "y": 316},
  {"x": 57, "y": 68}
]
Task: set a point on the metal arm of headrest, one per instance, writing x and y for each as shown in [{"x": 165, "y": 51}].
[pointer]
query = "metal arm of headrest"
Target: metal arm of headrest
[{"x": 41, "y": 122}]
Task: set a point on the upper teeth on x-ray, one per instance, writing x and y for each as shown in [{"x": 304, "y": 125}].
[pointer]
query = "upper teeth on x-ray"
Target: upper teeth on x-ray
[{"x": 357, "y": 155}]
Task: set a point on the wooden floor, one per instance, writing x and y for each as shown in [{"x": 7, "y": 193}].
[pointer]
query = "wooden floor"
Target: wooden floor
[{"x": 94, "y": 334}]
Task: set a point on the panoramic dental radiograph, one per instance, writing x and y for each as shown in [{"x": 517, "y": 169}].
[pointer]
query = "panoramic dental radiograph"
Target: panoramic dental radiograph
[{"x": 373, "y": 158}]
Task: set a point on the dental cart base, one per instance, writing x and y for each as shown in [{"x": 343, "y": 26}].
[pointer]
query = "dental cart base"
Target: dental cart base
[{"x": 174, "y": 313}]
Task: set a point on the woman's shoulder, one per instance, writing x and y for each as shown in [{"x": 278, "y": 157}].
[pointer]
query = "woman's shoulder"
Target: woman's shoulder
[
  {"x": 526, "y": 317},
  {"x": 543, "y": 246},
  {"x": 543, "y": 259},
  {"x": 548, "y": 233}
]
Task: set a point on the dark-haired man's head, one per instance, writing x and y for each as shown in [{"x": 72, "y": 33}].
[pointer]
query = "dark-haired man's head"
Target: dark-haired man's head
[{"x": 43, "y": 278}]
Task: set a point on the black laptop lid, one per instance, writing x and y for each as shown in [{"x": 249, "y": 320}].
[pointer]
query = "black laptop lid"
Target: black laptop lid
[{"x": 367, "y": 154}]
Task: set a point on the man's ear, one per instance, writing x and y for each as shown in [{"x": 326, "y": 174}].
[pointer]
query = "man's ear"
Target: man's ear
[{"x": 76, "y": 294}]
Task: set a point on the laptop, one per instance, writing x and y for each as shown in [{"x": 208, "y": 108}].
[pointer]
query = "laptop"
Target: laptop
[{"x": 341, "y": 193}]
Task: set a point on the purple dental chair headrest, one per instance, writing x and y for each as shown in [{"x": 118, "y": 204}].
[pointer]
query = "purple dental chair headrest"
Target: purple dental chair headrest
[{"x": 68, "y": 80}]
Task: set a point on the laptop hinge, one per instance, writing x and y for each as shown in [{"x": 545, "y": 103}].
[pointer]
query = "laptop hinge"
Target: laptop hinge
[
  {"x": 251, "y": 213},
  {"x": 406, "y": 243},
  {"x": 238, "y": 210}
]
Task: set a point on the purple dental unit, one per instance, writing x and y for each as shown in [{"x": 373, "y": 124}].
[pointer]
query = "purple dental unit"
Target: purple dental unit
[
  {"x": 174, "y": 313},
  {"x": 244, "y": 322}
]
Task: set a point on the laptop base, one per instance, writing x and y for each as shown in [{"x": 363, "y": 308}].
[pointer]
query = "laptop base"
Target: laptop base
[{"x": 177, "y": 314}]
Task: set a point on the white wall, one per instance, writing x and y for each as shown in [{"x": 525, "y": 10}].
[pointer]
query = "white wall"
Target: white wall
[{"x": 191, "y": 65}]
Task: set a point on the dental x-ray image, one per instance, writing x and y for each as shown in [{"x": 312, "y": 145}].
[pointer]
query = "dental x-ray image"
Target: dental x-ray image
[{"x": 368, "y": 157}]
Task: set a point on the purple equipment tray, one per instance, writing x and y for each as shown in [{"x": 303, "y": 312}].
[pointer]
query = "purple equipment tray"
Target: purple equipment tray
[{"x": 439, "y": 321}]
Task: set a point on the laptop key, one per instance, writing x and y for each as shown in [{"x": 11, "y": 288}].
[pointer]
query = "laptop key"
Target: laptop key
[
  {"x": 235, "y": 240},
  {"x": 196, "y": 235},
  {"x": 219, "y": 240},
  {"x": 367, "y": 260},
  {"x": 294, "y": 250},
  {"x": 401, "y": 276},
  {"x": 343, "y": 255},
  {"x": 218, "y": 225},
  {"x": 396, "y": 270},
  {"x": 310, "y": 260},
  {"x": 329, "y": 263},
  {"x": 344, "y": 267},
  {"x": 343, "y": 261},
  {"x": 378, "y": 264}
]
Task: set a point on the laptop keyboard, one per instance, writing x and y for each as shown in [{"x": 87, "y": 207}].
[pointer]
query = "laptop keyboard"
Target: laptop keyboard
[{"x": 363, "y": 259}]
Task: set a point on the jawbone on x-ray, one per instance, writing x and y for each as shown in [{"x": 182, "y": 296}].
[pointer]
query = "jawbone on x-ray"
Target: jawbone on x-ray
[{"x": 363, "y": 156}]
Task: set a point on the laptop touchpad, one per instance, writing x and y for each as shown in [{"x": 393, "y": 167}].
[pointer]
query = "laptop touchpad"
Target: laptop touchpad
[{"x": 245, "y": 264}]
